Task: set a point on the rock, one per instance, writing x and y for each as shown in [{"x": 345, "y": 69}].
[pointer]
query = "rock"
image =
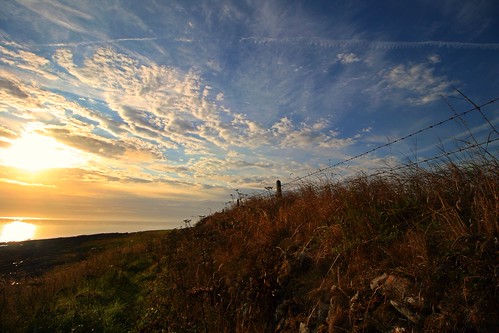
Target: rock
[
  {"x": 395, "y": 287},
  {"x": 304, "y": 328},
  {"x": 378, "y": 281},
  {"x": 398, "y": 291},
  {"x": 406, "y": 310}
]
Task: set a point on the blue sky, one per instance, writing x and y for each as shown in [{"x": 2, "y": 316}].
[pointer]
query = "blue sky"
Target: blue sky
[{"x": 165, "y": 107}]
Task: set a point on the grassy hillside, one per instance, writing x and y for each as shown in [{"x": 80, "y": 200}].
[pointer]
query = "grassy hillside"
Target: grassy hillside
[
  {"x": 32, "y": 258},
  {"x": 77, "y": 284},
  {"x": 415, "y": 251}
]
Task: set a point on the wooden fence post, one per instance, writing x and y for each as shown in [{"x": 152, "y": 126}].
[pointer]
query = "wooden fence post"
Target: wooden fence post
[{"x": 278, "y": 188}]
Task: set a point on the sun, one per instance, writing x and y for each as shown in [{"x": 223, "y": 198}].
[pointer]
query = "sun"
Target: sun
[
  {"x": 35, "y": 152},
  {"x": 17, "y": 231}
]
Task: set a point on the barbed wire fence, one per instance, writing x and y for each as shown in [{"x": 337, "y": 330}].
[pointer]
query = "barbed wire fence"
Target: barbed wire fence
[
  {"x": 492, "y": 138},
  {"x": 278, "y": 187},
  {"x": 431, "y": 159}
]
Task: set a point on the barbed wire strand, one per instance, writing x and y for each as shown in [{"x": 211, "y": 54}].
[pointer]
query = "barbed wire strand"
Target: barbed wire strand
[
  {"x": 477, "y": 108},
  {"x": 444, "y": 154},
  {"x": 455, "y": 116}
]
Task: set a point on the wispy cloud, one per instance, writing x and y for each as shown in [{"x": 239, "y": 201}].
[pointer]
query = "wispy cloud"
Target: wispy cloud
[
  {"x": 21, "y": 183},
  {"x": 418, "y": 80},
  {"x": 305, "y": 136},
  {"x": 415, "y": 83},
  {"x": 154, "y": 114},
  {"x": 62, "y": 15}
]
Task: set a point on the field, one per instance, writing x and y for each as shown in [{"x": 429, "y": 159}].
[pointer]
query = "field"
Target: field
[{"x": 412, "y": 251}]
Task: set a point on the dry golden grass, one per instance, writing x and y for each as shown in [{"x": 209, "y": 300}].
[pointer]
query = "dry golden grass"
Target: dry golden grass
[{"x": 307, "y": 259}]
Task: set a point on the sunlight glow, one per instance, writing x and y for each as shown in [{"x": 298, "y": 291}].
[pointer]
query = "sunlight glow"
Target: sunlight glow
[
  {"x": 35, "y": 152},
  {"x": 17, "y": 231}
]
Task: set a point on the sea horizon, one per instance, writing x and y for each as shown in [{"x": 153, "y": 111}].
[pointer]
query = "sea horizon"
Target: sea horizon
[{"x": 48, "y": 228}]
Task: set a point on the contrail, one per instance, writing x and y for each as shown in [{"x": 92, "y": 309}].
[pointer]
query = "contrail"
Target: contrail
[
  {"x": 314, "y": 41},
  {"x": 330, "y": 43},
  {"x": 118, "y": 40}
]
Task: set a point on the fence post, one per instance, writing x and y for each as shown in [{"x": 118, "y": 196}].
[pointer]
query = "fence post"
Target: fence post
[{"x": 278, "y": 188}]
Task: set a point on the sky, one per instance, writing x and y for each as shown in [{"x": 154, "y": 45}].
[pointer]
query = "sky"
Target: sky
[{"x": 163, "y": 110}]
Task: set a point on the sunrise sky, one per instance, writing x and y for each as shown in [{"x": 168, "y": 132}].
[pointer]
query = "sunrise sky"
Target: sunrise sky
[{"x": 158, "y": 110}]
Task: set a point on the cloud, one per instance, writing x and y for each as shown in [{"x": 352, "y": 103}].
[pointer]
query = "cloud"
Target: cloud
[
  {"x": 470, "y": 18},
  {"x": 159, "y": 102},
  {"x": 434, "y": 59},
  {"x": 87, "y": 142},
  {"x": 17, "y": 97},
  {"x": 15, "y": 55},
  {"x": 159, "y": 201},
  {"x": 21, "y": 183},
  {"x": 347, "y": 58},
  {"x": 155, "y": 102},
  {"x": 11, "y": 88},
  {"x": 181, "y": 126},
  {"x": 7, "y": 133},
  {"x": 59, "y": 14},
  {"x": 157, "y": 118},
  {"x": 416, "y": 83},
  {"x": 307, "y": 136}
]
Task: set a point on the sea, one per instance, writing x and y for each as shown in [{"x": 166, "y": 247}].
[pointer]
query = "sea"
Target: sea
[{"x": 29, "y": 228}]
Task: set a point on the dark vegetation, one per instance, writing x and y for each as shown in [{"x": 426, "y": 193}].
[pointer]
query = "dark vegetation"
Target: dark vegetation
[
  {"x": 412, "y": 251},
  {"x": 77, "y": 284},
  {"x": 33, "y": 258}
]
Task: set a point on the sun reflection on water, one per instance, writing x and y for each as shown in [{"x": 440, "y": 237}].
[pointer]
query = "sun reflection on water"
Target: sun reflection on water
[{"x": 17, "y": 231}]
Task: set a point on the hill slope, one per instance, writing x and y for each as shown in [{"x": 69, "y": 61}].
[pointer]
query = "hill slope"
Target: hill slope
[{"x": 415, "y": 251}]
